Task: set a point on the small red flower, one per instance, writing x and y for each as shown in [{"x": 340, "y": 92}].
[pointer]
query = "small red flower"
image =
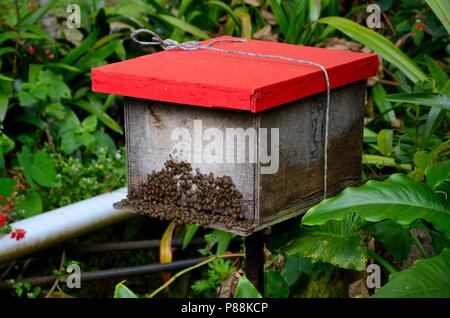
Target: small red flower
[
  {"x": 14, "y": 177},
  {"x": 49, "y": 54},
  {"x": 420, "y": 26},
  {"x": 21, "y": 186},
  {"x": 1, "y": 198},
  {"x": 18, "y": 234},
  {"x": 31, "y": 49},
  {"x": 3, "y": 218}
]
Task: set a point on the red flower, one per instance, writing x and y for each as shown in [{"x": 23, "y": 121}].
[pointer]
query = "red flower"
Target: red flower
[
  {"x": 420, "y": 26},
  {"x": 31, "y": 49},
  {"x": 3, "y": 218},
  {"x": 1, "y": 198},
  {"x": 18, "y": 234}
]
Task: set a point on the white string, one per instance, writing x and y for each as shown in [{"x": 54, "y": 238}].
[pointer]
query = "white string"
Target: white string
[{"x": 169, "y": 44}]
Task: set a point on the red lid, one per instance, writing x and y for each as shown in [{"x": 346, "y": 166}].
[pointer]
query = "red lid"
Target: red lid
[{"x": 224, "y": 80}]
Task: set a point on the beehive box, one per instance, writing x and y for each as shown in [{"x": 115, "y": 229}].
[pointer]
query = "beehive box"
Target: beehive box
[{"x": 237, "y": 142}]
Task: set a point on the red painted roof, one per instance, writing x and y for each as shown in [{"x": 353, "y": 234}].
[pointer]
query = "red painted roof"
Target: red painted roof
[{"x": 223, "y": 80}]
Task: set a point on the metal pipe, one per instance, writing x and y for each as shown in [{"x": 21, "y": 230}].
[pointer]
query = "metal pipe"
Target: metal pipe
[
  {"x": 113, "y": 273},
  {"x": 59, "y": 225},
  {"x": 127, "y": 246}
]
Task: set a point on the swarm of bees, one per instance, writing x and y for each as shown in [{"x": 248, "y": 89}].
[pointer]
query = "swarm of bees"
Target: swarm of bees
[{"x": 176, "y": 193}]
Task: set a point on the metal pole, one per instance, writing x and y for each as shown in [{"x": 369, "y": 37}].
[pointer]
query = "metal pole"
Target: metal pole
[
  {"x": 254, "y": 260},
  {"x": 113, "y": 273},
  {"x": 54, "y": 227}
]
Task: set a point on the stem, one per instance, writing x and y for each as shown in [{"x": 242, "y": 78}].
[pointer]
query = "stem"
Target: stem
[
  {"x": 419, "y": 246},
  {"x": 14, "y": 70},
  {"x": 382, "y": 262},
  {"x": 416, "y": 142},
  {"x": 184, "y": 271}
]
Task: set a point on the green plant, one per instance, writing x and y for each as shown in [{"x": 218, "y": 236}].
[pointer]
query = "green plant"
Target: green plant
[{"x": 388, "y": 211}]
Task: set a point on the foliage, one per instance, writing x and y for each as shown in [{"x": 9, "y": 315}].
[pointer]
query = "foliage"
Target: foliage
[
  {"x": 427, "y": 278},
  {"x": 61, "y": 143}
]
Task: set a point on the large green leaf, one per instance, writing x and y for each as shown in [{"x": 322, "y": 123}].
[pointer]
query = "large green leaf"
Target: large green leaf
[
  {"x": 396, "y": 239},
  {"x": 438, "y": 173},
  {"x": 245, "y": 289},
  {"x": 275, "y": 285},
  {"x": 398, "y": 198},
  {"x": 426, "y": 278},
  {"x": 442, "y": 10},
  {"x": 379, "y": 44},
  {"x": 426, "y": 99},
  {"x": 336, "y": 242}
]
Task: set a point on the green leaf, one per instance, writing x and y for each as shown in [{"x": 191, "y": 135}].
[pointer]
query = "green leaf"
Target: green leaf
[
  {"x": 426, "y": 278},
  {"x": 44, "y": 172},
  {"x": 95, "y": 108},
  {"x": 335, "y": 242},
  {"x": 227, "y": 8},
  {"x": 7, "y": 187},
  {"x": 379, "y": 94},
  {"x": 442, "y": 11},
  {"x": 122, "y": 291},
  {"x": 69, "y": 142},
  {"x": 37, "y": 15},
  {"x": 4, "y": 99},
  {"x": 80, "y": 49},
  {"x": 437, "y": 174},
  {"x": 33, "y": 72},
  {"x": 26, "y": 99},
  {"x": 294, "y": 267},
  {"x": 437, "y": 73},
  {"x": 26, "y": 163},
  {"x": 398, "y": 198},
  {"x": 275, "y": 285},
  {"x": 245, "y": 289},
  {"x": 183, "y": 25},
  {"x": 246, "y": 22},
  {"x": 382, "y": 161},
  {"x": 395, "y": 238},
  {"x": 6, "y": 50},
  {"x": 369, "y": 135},
  {"x": 426, "y": 99},
  {"x": 189, "y": 235},
  {"x": 279, "y": 15},
  {"x": 29, "y": 205},
  {"x": 385, "y": 141},
  {"x": 379, "y": 44},
  {"x": 89, "y": 123},
  {"x": 434, "y": 120}
]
